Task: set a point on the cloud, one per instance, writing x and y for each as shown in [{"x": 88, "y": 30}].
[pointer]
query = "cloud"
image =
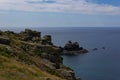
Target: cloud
[{"x": 68, "y": 6}]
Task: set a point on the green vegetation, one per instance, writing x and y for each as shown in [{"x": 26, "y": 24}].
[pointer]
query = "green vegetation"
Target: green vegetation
[
  {"x": 11, "y": 69},
  {"x": 28, "y": 56},
  {"x": 4, "y": 51}
]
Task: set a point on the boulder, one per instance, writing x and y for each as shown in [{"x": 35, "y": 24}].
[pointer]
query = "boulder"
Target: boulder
[
  {"x": 68, "y": 74},
  {"x": 29, "y": 35},
  {"x": 10, "y": 49},
  {"x": 46, "y": 40},
  {"x": 4, "y": 40}
]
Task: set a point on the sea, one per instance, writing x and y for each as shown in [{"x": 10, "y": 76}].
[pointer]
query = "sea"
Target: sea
[{"x": 102, "y": 62}]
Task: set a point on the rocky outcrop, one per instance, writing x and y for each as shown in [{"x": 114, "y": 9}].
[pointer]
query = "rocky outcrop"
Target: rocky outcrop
[
  {"x": 29, "y": 47},
  {"x": 4, "y": 40},
  {"x": 29, "y": 35},
  {"x": 46, "y": 40},
  {"x": 72, "y": 48},
  {"x": 68, "y": 74},
  {"x": 9, "y": 32}
]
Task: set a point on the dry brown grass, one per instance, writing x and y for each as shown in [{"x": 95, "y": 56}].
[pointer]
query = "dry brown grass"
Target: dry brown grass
[{"x": 11, "y": 69}]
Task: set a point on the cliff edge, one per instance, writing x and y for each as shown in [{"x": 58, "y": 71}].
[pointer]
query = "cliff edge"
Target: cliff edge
[{"x": 27, "y": 55}]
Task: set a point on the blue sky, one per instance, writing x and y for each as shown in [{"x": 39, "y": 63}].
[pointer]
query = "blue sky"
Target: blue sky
[
  {"x": 60, "y": 13},
  {"x": 109, "y": 2}
]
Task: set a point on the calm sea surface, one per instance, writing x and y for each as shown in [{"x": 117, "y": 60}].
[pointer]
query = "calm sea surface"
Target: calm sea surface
[{"x": 102, "y": 64}]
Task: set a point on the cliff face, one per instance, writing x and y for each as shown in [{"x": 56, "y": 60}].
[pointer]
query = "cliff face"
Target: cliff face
[{"x": 29, "y": 48}]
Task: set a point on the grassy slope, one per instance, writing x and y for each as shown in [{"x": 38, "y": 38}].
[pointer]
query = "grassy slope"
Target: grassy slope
[{"x": 11, "y": 69}]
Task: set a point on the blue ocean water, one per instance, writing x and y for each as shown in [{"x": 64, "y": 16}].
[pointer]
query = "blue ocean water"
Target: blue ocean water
[{"x": 102, "y": 64}]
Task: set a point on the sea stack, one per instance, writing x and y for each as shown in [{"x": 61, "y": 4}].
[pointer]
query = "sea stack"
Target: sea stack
[{"x": 73, "y": 48}]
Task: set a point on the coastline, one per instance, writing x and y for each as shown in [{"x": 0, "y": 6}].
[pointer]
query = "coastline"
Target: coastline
[{"x": 29, "y": 43}]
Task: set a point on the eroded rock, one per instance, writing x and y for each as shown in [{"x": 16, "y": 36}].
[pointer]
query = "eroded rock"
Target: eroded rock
[
  {"x": 72, "y": 48},
  {"x": 4, "y": 40},
  {"x": 68, "y": 74},
  {"x": 29, "y": 35},
  {"x": 46, "y": 40}
]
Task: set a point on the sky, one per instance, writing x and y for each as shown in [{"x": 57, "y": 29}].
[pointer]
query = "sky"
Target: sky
[{"x": 59, "y": 13}]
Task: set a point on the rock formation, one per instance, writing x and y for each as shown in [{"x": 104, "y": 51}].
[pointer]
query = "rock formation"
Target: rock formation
[
  {"x": 29, "y": 35},
  {"x": 46, "y": 40},
  {"x": 72, "y": 48},
  {"x": 28, "y": 47},
  {"x": 4, "y": 40}
]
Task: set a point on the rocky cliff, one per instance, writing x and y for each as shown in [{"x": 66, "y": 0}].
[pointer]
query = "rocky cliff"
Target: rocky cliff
[
  {"x": 29, "y": 48},
  {"x": 72, "y": 48}
]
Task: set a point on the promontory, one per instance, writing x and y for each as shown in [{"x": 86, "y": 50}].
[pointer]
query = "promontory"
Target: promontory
[{"x": 28, "y": 56}]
